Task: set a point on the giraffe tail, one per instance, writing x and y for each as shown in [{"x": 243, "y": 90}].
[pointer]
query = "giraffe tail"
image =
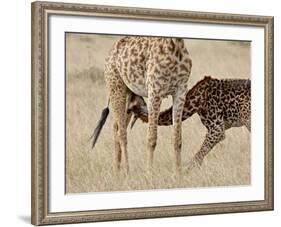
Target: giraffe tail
[{"x": 99, "y": 126}]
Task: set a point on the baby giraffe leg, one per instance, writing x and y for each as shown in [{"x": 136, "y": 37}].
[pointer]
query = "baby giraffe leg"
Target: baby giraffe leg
[
  {"x": 214, "y": 136},
  {"x": 247, "y": 123}
]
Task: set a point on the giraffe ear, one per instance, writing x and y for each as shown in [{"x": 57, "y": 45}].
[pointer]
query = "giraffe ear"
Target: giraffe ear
[{"x": 134, "y": 121}]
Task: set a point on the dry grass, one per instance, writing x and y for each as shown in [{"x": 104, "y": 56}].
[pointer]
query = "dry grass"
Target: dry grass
[{"x": 93, "y": 170}]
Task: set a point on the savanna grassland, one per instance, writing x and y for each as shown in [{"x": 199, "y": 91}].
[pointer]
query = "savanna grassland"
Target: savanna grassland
[{"x": 90, "y": 170}]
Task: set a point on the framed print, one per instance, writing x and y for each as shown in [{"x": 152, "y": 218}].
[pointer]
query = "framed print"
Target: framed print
[{"x": 146, "y": 113}]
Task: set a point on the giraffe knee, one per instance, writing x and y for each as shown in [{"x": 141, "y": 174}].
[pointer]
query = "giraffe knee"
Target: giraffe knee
[
  {"x": 122, "y": 138},
  {"x": 177, "y": 145},
  {"x": 115, "y": 127},
  {"x": 152, "y": 143},
  {"x": 118, "y": 160},
  {"x": 216, "y": 136},
  {"x": 198, "y": 158},
  {"x": 177, "y": 141},
  {"x": 152, "y": 136}
]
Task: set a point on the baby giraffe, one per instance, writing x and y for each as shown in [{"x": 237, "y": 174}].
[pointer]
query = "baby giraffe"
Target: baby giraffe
[{"x": 220, "y": 104}]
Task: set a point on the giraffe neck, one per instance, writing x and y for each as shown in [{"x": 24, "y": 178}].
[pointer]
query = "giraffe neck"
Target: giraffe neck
[
  {"x": 194, "y": 100},
  {"x": 192, "y": 105}
]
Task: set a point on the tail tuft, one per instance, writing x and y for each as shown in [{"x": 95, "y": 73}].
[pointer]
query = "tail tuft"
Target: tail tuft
[{"x": 99, "y": 126}]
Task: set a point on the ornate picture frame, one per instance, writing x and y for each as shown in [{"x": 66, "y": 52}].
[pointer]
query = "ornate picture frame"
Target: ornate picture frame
[{"x": 41, "y": 161}]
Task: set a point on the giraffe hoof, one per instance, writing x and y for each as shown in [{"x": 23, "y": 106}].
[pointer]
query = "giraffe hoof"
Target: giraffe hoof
[{"x": 192, "y": 165}]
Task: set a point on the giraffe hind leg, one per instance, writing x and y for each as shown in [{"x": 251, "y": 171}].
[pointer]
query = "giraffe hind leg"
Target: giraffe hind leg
[
  {"x": 118, "y": 94},
  {"x": 118, "y": 151},
  {"x": 214, "y": 136},
  {"x": 178, "y": 105},
  {"x": 247, "y": 123},
  {"x": 246, "y": 115},
  {"x": 154, "y": 104}
]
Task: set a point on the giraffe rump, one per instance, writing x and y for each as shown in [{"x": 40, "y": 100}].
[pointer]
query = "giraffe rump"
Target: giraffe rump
[{"x": 99, "y": 126}]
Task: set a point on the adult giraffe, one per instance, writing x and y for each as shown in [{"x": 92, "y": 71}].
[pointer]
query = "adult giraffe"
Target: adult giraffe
[{"x": 149, "y": 67}]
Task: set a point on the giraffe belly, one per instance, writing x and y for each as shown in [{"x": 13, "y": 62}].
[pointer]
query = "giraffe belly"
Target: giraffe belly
[
  {"x": 136, "y": 82},
  {"x": 138, "y": 89}
]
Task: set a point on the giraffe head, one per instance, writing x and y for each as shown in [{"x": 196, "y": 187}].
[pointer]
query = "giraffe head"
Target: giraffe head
[{"x": 138, "y": 106}]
